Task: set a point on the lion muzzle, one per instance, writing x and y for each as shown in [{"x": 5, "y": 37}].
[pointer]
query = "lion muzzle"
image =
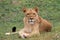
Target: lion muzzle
[{"x": 31, "y": 21}]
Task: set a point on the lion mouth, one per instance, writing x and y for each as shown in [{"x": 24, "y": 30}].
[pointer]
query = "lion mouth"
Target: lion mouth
[{"x": 31, "y": 21}]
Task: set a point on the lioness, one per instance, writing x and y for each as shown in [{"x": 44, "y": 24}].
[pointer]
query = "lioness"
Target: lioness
[{"x": 33, "y": 23}]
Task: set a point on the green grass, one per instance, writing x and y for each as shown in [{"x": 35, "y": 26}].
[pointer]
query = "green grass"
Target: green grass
[{"x": 11, "y": 14}]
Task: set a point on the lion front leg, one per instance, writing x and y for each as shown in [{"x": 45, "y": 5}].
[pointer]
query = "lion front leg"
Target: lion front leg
[
  {"x": 33, "y": 33},
  {"x": 23, "y": 34}
]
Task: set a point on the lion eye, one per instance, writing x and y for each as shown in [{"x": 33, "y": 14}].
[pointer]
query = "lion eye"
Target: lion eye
[
  {"x": 27, "y": 14},
  {"x": 33, "y": 13}
]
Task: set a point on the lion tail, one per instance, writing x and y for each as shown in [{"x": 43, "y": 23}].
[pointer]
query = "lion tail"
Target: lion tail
[{"x": 13, "y": 31}]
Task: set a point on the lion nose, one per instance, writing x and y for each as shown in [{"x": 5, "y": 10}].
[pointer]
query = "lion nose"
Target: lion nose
[{"x": 31, "y": 18}]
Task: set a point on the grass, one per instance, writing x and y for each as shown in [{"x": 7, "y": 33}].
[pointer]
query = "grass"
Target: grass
[{"x": 11, "y": 14}]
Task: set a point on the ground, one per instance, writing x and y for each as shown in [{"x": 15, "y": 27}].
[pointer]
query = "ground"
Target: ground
[{"x": 11, "y": 15}]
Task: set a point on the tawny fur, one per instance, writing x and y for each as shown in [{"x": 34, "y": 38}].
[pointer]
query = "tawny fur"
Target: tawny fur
[{"x": 40, "y": 24}]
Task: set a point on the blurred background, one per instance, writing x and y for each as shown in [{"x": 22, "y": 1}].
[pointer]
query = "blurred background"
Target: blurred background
[{"x": 11, "y": 15}]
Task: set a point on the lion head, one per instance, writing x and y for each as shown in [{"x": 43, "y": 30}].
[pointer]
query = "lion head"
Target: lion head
[{"x": 31, "y": 14}]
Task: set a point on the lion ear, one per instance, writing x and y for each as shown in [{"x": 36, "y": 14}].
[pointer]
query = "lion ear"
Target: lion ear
[
  {"x": 24, "y": 9},
  {"x": 36, "y": 9}
]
